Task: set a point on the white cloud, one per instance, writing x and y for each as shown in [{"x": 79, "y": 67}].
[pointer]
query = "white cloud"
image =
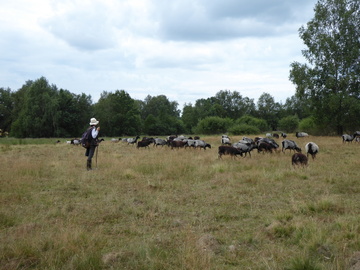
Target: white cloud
[{"x": 185, "y": 50}]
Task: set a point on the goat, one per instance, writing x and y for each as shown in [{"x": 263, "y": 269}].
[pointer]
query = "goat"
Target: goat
[
  {"x": 225, "y": 140},
  {"x": 312, "y": 149},
  {"x": 197, "y": 138},
  {"x": 348, "y": 138},
  {"x": 245, "y": 147},
  {"x": 272, "y": 142},
  {"x": 299, "y": 159},
  {"x": 190, "y": 143},
  {"x": 228, "y": 150},
  {"x": 265, "y": 147},
  {"x": 301, "y": 134},
  {"x": 201, "y": 144},
  {"x": 132, "y": 140},
  {"x": 284, "y": 135},
  {"x": 159, "y": 141},
  {"x": 291, "y": 145},
  {"x": 75, "y": 142},
  {"x": 177, "y": 144},
  {"x": 145, "y": 143},
  {"x": 113, "y": 140}
]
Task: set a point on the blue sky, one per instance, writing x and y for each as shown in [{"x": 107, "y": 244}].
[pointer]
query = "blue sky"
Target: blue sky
[{"x": 186, "y": 50}]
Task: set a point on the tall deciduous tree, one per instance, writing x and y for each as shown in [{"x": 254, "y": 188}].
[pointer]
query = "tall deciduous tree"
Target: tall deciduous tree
[
  {"x": 330, "y": 81},
  {"x": 118, "y": 114},
  {"x": 6, "y": 108},
  {"x": 37, "y": 117},
  {"x": 268, "y": 110}
]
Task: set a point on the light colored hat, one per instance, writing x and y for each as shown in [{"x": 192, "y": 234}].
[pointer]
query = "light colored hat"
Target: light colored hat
[{"x": 93, "y": 122}]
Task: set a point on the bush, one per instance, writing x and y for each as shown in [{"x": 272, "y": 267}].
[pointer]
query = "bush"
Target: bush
[
  {"x": 213, "y": 125},
  {"x": 307, "y": 124},
  {"x": 261, "y": 124},
  {"x": 243, "y": 129},
  {"x": 289, "y": 123}
]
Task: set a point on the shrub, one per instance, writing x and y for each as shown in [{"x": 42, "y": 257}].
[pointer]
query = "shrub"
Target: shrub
[
  {"x": 261, "y": 124},
  {"x": 213, "y": 125},
  {"x": 307, "y": 124},
  {"x": 243, "y": 129},
  {"x": 289, "y": 123}
]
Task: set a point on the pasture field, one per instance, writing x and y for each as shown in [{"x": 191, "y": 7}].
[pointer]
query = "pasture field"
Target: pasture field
[{"x": 159, "y": 208}]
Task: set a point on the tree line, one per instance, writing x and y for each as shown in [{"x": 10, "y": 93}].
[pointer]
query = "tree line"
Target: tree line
[{"x": 326, "y": 101}]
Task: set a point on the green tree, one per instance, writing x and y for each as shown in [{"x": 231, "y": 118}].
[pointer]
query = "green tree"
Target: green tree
[
  {"x": 330, "y": 80},
  {"x": 164, "y": 115},
  {"x": 268, "y": 110},
  {"x": 74, "y": 113},
  {"x": 118, "y": 114},
  {"x": 37, "y": 117},
  {"x": 6, "y": 108},
  {"x": 233, "y": 104}
]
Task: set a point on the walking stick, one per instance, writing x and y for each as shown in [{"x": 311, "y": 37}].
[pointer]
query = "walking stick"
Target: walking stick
[{"x": 97, "y": 149}]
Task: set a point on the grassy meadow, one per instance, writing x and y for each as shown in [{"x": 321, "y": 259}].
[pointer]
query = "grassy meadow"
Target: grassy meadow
[{"x": 159, "y": 208}]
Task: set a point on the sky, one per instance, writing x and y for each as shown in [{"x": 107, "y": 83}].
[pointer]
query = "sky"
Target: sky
[{"x": 183, "y": 49}]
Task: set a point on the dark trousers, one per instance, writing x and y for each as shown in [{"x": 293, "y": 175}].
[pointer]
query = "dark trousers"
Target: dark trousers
[{"x": 90, "y": 152}]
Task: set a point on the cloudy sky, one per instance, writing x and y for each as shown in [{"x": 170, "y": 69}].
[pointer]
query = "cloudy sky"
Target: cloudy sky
[{"x": 184, "y": 49}]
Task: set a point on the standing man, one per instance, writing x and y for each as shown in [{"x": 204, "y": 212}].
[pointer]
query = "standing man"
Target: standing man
[{"x": 93, "y": 138}]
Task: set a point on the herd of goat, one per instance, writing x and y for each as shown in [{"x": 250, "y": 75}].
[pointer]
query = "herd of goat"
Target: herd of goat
[{"x": 241, "y": 148}]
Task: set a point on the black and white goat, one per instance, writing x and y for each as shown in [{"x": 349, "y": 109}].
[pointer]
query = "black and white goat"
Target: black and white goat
[
  {"x": 312, "y": 149},
  {"x": 301, "y": 134},
  {"x": 245, "y": 147},
  {"x": 225, "y": 140},
  {"x": 291, "y": 145},
  {"x": 201, "y": 144},
  {"x": 159, "y": 141},
  {"x": 348, "y": 138},
  {"x": 132, "y": 140}
]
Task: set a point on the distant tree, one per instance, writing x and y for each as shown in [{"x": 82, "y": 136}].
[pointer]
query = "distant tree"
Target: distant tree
[
  {"x": 163, "y": 113},
  {"x": 331, "y": 80},
  {"x": 189, "y": 118},
  {"x": 233, "y": 104},
  {"x": 73, "y": 114},
  {"x": 37, "y": 117},
  {"x": 6, "y": 109},
  {"x": 118, "y": 114},
  {"x": 268, "y": 109}
]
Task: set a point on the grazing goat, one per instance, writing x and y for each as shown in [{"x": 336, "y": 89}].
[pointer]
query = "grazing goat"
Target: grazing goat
[
  {"x": 113, "y": 140},
  {"x": 348, "y": 138},
  {"x": 291, "y": 145},
  {"x": 132, "y": 140},
  {"x": 177, "y": 144},
  {"x": 159, "y": 141},
  {"x": 312, "y": 149},
  {"x": 225, "y": 140},
  {"x": 145, "y": 142},
  {"x": 299, "y": 159},
  {"x": 201, "y": 144},
  {"x": 284, "y": 135},
  {"x": 245, "y": 147},
  {"x": 269, "y": 141},
  {"x": 301, "y": 134},
  {"x": 228, "y": 150},
  {"x": 265, "y": 147},
  {"x": 75, "y": 142},
  {"x": 190, "y": 143}
]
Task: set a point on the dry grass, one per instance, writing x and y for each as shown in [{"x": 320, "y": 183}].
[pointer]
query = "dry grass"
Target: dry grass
[{"x": 178, "y": 209}]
